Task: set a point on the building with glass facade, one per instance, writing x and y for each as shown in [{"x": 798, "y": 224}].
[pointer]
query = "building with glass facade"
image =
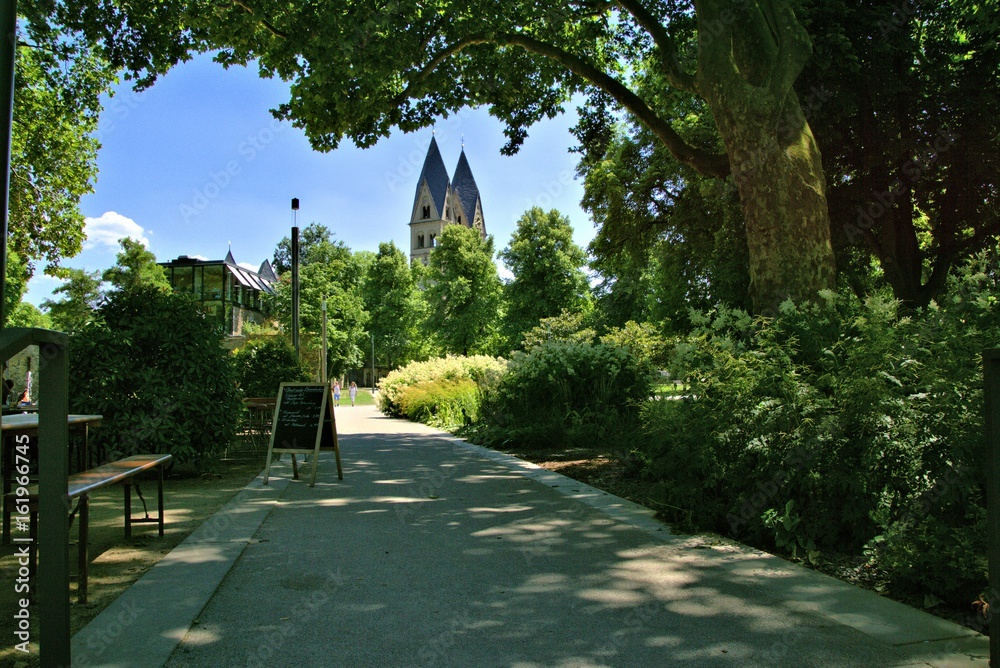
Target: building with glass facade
[{"x": 230, "y": 295}]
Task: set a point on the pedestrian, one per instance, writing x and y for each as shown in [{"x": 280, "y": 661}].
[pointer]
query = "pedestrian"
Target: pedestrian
[
  {"x": 336, "y": 393},
  {"x": 353, "y": 392}
]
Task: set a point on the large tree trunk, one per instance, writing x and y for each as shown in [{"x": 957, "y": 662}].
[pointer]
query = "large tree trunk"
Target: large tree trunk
[
  {"x": 780, "y": 180},
  {"x": 749, "y": 56}
]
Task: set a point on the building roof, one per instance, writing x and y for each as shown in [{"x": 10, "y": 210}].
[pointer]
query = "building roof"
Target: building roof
[
  {"x": 465, "y": 187},
  {"x": 246, "y": 277},
  {"x": 436, "y": 177},
  {"x": 266, "y": 271}
]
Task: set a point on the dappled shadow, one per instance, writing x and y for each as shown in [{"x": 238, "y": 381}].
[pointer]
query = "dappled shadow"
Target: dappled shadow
[{"x": 427, "y": 555}]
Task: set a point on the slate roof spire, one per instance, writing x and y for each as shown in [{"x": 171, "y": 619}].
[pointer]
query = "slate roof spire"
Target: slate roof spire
[
  {"x": 467, "y": 191},
  {"x": 436, "y": 177}
]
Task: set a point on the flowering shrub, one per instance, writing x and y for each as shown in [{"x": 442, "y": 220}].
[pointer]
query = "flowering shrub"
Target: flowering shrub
[{"x": 479, "y": 369}]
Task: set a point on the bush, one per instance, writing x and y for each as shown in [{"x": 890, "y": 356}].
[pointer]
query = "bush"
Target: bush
[
  {"x": 263, "y": 365},
  {"x": 564, "y": 393},
  {"x": 152, "y": 365},
  {"x": 447, "y": 404},
  {"x": 840, "y": 426},
  {"x": 479, "y": 369}
]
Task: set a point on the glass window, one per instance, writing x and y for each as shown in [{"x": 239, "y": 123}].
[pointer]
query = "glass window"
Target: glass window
[
  {"x": 183, "y": 279},
  {"x": 212, "y": 283},
  {"x": 432, "y": 241},
  {"x": 197, "y": 283},
  {"x": 427, "y": 212}
]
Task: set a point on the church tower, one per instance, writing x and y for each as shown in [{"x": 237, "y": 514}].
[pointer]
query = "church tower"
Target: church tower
[{"x": 438, "y": 202}]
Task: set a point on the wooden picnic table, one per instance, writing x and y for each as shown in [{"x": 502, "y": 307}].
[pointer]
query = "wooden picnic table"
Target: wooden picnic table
[{"x": 27, "y": 424}]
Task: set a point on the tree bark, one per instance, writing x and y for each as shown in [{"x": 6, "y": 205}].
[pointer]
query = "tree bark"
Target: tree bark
[{"x": 746, "y": 75}]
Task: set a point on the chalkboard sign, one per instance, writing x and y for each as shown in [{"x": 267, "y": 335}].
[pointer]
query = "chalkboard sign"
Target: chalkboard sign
[{"x": 303, "y": 423}]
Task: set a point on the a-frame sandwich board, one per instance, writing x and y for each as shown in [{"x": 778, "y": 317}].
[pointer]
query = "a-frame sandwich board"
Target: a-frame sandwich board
[{"x": 304, "y": 423}]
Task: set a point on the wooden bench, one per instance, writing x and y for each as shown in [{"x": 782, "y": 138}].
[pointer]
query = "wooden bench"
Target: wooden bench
[{"x": 80, "y": 486}]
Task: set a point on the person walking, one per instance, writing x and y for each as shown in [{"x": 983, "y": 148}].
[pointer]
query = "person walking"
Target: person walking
[
  {"x": 336, "y": 393},
  {"x": 353, "y": 392}
]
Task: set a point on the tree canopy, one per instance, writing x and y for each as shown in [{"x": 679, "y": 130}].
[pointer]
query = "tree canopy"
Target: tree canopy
[
  {"x": 548, "y": 272},
  {"x": 136, "y": 267},
  {"x": 464, "y": 291},
  {"x": 407, "y": 63},
  {"x": 82, "y": 295},
  {"x": 395, "y": 307}
]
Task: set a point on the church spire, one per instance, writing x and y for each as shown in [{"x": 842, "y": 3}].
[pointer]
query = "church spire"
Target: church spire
[
  {"x": 470, "y": 206},
  {"x": 434, "y": 176}
]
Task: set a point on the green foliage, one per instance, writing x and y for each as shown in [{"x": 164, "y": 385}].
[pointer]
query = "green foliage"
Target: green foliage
[
  {"x": 58, "y": 84},
  {"x": 262, "y": 365},
  {"x": 839, "y": 424},
  {"x": 463, "y": 298},
  {"x": 326, "y": 269},
  {"x": 153, "y": 366},
  {"x": 480, "y": 369},
  {"x": 564, "y": 393},
  {"x": 548, "y": 275},
  {"x": 28, "y": 315},
  {"x": 135, "y": 268},
  {"x": 447, "y": 404},
  {"x": 82, "y": 294},
  {"x": 395, "y": 307},
  {"x": 566, "y": 326}
]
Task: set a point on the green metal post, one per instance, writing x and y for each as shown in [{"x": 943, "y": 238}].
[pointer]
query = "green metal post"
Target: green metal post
[
  {"x": 8, "y": 52},
  {"x": 991, "y": 401},
  {"x": 53, "y": 506}
]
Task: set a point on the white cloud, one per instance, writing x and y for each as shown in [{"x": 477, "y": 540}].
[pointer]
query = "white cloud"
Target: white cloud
[
  {"x": 247, "y": 265},
  {"x": 111, "y": 226},
  {"x": 199, "y": 257}
]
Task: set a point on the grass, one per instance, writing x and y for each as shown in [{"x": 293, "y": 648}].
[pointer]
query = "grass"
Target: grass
[{"x": 364, "y": 398}]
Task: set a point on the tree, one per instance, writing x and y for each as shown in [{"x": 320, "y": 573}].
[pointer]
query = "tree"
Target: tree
[
  {"x": 154, "y": 367},
  {"x": 82, "y": 296},
  {"x": 464, "y": 292},
  {"x": 395, "y": 307},
  {"x": 904, "y": 103},
  {"x": 668, "y": 239},
  {"x": 58, "y": 84},
  {"x": 327, "y": 269},
  {"x": 28, "y": 315},
  {"x": 309, "y": 238},
  {"x": 136, "y": 267},
  {"x": 547, "y": 268},
  {"x": 908, "y": 117},
  {"x": 404, "y": 65}
]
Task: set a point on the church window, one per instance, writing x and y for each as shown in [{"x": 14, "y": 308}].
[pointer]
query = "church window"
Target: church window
[
  {"x": 432, "y": 241},
  {"x": 420, "y": 241},
  {"x": 426, "y": 212},
  {"x": 459, "y": 220}
]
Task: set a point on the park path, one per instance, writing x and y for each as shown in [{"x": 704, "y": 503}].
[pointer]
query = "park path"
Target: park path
[{"x": 434, "y": 552}]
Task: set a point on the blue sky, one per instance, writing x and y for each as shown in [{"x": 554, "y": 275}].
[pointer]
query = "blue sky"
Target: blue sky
[{"x": 197, "y": 162}]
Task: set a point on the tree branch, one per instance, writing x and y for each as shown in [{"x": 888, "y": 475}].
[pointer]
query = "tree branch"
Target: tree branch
[
  {"x": 263, "y": 21},
  {"x": 794, "y": 47},
  {"x": 704, "y": 162},
  {"x": 670, "y": 62}
]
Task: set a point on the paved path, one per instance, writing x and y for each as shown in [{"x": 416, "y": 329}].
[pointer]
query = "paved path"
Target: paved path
[{"x": 433, "y": 552}]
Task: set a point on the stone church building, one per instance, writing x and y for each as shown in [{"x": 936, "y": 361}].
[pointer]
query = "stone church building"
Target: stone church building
[{"x": 441, "y": 201}]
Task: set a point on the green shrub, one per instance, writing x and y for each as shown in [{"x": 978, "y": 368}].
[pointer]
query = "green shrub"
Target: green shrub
[
  {"x": 839, "y": 426},
  {"x": 152, "y": 365},
  {"x": 563, "y": 393},
  {"x": 480, "y": 369},
  {"x": 447, "y": 404},
  {"x": 264, "y": 364}
]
